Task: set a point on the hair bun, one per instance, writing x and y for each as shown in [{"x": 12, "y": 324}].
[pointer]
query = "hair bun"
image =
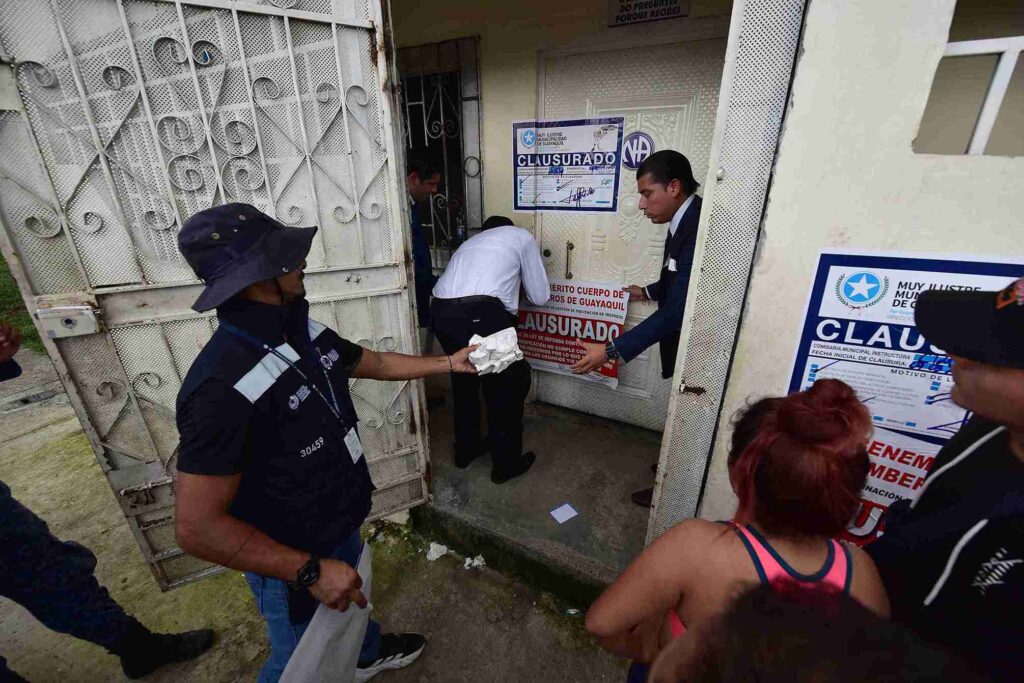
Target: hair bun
[{"x": 822, "y": 414}]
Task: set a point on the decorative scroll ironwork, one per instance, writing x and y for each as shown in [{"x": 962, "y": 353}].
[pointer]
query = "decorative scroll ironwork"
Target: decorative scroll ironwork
[
  {"x": 117, "y": 78},
  {"x": 433, "y": 99}
]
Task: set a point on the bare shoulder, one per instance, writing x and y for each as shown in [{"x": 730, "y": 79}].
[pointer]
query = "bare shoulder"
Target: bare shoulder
[
  {"x": 695, "y": 532},
  {"x": 867, "y": 586}
]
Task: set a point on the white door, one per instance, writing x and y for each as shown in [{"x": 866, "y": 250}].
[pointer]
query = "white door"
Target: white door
[
  {"x": 669, "y": 92},
  {"x": 128, "y": 117}
]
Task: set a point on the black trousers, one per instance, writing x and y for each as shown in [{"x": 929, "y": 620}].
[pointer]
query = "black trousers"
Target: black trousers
[
  {"x": 454, "y": 322},
  {"x": 54, "y": 580}
]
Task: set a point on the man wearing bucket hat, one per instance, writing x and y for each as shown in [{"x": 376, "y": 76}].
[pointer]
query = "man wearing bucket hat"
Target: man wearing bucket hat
[
  {"x": 953, "y": 559},
  {"x": 272, "y": 479}
]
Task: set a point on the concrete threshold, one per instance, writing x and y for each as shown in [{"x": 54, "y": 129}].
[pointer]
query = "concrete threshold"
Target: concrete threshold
[{"x": 591, "y": 463}]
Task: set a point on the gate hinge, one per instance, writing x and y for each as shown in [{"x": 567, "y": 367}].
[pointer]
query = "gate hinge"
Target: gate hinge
[{"x": 67, "y": 321}]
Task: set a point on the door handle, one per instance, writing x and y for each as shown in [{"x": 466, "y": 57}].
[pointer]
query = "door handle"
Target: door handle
[
  {"x": 569, "y": 246},
  {"x": 686, "y": 389}
]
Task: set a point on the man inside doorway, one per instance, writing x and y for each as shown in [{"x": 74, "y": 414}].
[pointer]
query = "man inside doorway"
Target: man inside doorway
[
  {"x": 272, "y": 479},
  {"x": 479, "y": 294},
  {"x": 421, "y": 181},
  {"x": 667, "y": 195}
]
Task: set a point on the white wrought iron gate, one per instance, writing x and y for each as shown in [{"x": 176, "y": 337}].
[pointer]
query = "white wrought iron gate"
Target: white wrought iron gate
[{"x": 131, "y": 115}]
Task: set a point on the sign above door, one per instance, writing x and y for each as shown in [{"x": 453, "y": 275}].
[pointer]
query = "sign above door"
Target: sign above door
[{"x": 623, "y": 12}]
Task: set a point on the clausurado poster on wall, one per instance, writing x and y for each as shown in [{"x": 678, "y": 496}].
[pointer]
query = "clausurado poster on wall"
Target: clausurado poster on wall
[
  {"x": 567, "y": 165},
  {"x": 592, "y": 311},
  {"x": 859, "y": 327}
]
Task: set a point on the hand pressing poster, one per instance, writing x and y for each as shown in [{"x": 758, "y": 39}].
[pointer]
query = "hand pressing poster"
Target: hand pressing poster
[{"x": 592, "y": 311}]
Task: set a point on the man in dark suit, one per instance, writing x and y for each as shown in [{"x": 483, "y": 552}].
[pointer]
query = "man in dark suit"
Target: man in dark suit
[
  {"x": 667, "y": 195},
  {"x": 421, "y": 182}
]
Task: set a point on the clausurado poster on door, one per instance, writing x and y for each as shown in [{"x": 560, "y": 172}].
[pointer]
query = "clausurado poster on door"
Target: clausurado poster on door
[
  {"x": 567, "y": 165},
  {"x": 859, "y": 327},
  {"x": 592, "y": 311}
]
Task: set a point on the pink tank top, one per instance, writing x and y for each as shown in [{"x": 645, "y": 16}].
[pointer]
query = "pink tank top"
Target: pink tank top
[{"x": 837, "y": 572}]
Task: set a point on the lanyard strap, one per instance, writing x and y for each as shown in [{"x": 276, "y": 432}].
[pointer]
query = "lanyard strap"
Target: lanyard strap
[{"x": 332, "y": 404}]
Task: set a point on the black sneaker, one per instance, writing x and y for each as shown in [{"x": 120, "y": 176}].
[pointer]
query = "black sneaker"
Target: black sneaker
[
  {"x": 157, "y": 649},
  {"x": 397, "y": 650}
]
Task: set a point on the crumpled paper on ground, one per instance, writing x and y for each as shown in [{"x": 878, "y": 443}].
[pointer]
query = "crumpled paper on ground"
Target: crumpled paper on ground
[{"x": 496, "y": 352}]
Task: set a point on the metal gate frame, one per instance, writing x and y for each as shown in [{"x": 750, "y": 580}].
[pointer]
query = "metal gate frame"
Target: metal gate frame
[
  {"x": 89, "y": 295},
  {"x": 764, "y": 38}
]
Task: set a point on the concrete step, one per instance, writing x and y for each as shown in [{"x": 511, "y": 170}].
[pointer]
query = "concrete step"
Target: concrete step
[{"x": 570, "y": 581}]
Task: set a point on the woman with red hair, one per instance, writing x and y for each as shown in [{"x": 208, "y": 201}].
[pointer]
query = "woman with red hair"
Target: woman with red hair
[{"x": 797, "y": 465}]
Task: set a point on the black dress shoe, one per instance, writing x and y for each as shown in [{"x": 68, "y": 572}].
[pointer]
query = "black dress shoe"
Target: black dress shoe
[
  {"x": 524, "y": 463},
  {"x": 643, "y": 498},
  {"x": 464, "y": 459}
]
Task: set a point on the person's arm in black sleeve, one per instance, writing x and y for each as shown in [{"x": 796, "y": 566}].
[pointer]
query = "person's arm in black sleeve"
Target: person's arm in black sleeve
[{"x": 213, "y": 423}]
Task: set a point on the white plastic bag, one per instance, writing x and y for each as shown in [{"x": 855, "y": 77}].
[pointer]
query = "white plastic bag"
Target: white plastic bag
[
  {"x": 496, "y": 352},
  {"x": 329, "y": 649}
]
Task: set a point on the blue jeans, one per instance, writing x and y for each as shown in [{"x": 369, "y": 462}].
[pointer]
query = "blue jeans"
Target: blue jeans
[{"x": 272, "y": 600}]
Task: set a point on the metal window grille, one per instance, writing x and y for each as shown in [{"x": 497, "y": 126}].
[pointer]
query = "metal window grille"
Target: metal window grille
[{"x": 441, "y": 110}]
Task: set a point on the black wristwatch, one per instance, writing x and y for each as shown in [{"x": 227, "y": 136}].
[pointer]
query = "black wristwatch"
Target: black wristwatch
[
  {"x": 611, "y": 351},
  {"x": 309, "y": 573}
]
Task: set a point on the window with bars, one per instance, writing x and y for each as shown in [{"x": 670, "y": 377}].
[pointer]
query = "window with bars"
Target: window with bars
[
  {"x": 441, "y": 113},
  {"x": 976, "y": 104}
]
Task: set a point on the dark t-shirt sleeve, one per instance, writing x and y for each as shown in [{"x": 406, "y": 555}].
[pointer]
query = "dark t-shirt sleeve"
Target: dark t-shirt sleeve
[
  {"x": 350, "y": 354},
  {"x": 213, "y": 424}
]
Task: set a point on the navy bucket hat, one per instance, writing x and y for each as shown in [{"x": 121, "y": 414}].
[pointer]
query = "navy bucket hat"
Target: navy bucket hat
[{"x": 236, "y": 245}]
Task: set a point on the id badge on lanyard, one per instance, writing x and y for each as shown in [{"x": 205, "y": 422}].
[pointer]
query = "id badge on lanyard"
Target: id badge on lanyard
[
  {"x": 355, "y": 448},
  {"x": 352, "y": 443}
]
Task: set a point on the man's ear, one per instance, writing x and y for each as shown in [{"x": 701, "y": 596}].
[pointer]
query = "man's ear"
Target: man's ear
[{"x": 675, "y": 187}]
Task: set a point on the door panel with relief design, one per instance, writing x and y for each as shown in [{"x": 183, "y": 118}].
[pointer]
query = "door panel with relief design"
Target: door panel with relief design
[{"x": 669, "y": 92}]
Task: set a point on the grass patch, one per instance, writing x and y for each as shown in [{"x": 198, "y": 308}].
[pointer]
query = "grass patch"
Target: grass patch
[{"x": 12, "y": 309}]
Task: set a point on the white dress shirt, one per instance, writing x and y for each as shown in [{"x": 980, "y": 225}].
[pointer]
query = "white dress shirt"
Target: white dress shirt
[
  {"x": 678, "y": 217},
  {"x": 673, "y": 225},
  {"x": 494, "y": 263}
]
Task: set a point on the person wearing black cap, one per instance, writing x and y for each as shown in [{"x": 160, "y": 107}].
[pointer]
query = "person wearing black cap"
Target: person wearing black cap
[
  {"x": 272, "y": 479},
  {"x": 667, "y": 195},
  {"x": 953, "y": 559}
]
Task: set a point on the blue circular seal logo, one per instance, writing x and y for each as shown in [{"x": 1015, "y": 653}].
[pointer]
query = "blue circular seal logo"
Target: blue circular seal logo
[
  {"x": 528, "y": 138},
  {"x": 862, "y": 289},
  {"x": 635, "y": 148}
]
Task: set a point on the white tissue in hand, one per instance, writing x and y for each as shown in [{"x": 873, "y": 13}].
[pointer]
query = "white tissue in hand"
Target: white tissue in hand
[{"x": 496, "y": 352}]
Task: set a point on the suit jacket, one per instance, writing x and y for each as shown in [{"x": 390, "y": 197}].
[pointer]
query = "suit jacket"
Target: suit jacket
[
  {"x": 670, "y": 292},
  {"x": 422, "y": 266}
]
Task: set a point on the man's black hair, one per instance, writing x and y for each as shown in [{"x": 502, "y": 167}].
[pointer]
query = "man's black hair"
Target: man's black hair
[
  {"x": 423, "y": 169},
  {"x": 496, "y": 222},
  {"x": 667, "y": 165}
]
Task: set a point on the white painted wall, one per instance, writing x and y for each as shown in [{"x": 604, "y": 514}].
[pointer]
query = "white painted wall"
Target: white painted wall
[
  {"x": 846, "y": 177},
  {"x": 512, "y": 34}
]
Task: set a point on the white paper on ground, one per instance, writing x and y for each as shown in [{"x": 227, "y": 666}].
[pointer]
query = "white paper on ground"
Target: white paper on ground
[
  {"x": 496, "y": 352},
  {"x": 436, "y": 551},
  {"x": 329, "y": 649},
  {"x": 564, "y": 513}
]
